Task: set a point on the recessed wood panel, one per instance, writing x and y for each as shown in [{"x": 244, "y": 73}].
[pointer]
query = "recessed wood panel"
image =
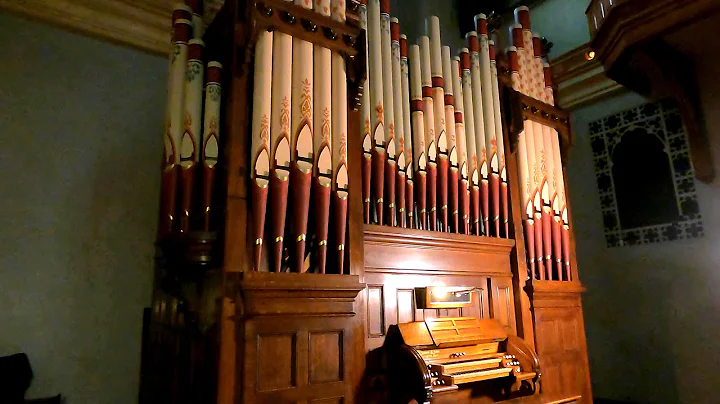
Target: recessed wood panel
[
  {"x": 560, "y": 345},
  {"x": 405, "y": 305},
  {"x": 569, "y": 331},
  {"x": 325, "y": 357},
  {"x": 276, "y": 366},
  {"x": 503, "y": 304},
  {"x": 336, "y": 400},
  {"x": 571, "y": 377},
  {"x": 376, "y": 314}
]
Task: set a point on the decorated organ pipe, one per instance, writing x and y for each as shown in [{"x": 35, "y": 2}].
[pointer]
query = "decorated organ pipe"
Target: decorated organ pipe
[
  {"x": 182, "y": 31},
  {"x": 391, "y": 165},
  {"x": 524, "y": 61},
  {"x": 430, "y": 139},
  {"x": 377, "y": 122},
  {"x": 431, "y": 131},
  {"x": 480, "y": 129},
  {"x": 399, "y": 135},
  {"x": 464, "y": 186},
  {"x": 301, "y": 140},
  {"x": 561, "y": 243},
  {"x": 339, "y": 155},
  {"x": 407, "y": 132},
  {"x": 454, "y": 171},
  {"x": 323, "y": 118},
  {"x": 488, "y": 103},
  {"x": 524, "y": 174},
  {"x": 432, "y": 28},
  {"x": 210, "y": 140},
  {"x": 420, "y": 161},
  {"x": 280, "y": 149},
  {"x": 260, "y": 148},
  {"x": 365, "y": 114},
  {"x": 474, "y": 174},
  {"x": 191, "y": 137},
  {"x": 504, "y": 209},
  {"x": 539, "y": 160}
]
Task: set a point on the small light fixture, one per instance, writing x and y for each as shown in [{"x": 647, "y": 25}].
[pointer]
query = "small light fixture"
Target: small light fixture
[{"x": 590, "y": 55}]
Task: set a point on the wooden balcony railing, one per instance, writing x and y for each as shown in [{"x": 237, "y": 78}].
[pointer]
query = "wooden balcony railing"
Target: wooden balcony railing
[{"x": 598, "y": 11}]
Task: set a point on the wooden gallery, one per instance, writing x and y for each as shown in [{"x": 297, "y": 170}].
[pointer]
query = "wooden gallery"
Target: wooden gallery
[{"x": 349, "y": 215}]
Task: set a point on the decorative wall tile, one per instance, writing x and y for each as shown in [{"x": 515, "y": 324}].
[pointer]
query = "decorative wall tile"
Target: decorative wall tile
[{"x": 663, "y": 121}]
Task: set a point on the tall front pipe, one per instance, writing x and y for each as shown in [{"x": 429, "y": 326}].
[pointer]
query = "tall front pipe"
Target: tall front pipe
[
  {"x": 174, "y": 126},
  {"x": 377, "y": 121},
  {"x": 339, "y": 154},
  {"x": 454, "y": 173},
  {"x": 463, "y": 188},
  {"x": 432, "y": 28},
  {"x": 399, "y": 219},
  {"x": 409, "y": 170},
  {"x": 323, "y": 145},
  {"x": 210, "y": 139},
  {"x": 365, "y": 117},
  {"x": 418, "y": 135},
  {"x": 524, "y": 175},
  {"x": 191, "y": 138},
  {"x": 504, "y": 210},
  {"x": 479, "y": 115},
  {"x": 391, "y": 165},
  {"x": 260, "y": 162},
  {"x": 430, "y": 138},
  {"x": 485, "y": 70},
  {"x": 280, "y": 149},
  {"x": 474, "y": 175},
  {"x": 302, "y": 146}
]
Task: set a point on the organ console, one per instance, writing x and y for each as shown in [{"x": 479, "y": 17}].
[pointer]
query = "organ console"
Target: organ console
[
  {"x": 360, "y": 175},
  {"x": 451, "y": 353}
]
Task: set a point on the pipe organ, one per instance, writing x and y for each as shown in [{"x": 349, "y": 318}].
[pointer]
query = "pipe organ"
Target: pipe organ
[{"x": 357, "y": 170}]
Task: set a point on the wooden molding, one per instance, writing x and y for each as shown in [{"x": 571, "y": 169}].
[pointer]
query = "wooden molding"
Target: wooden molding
[
  {"x": 141, "y": 24},
  {"x": 581, "y": 82},
  {"x": 632, "y": 22}
]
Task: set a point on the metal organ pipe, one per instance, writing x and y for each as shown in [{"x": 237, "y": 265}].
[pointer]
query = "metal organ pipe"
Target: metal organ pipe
[
  {"x": 377, "y": 121},
  {"x": 483, "y": 66},
  {"x": 323, "y": 118},
  {"x": 464, "y": 189},
  {"x": 474, "y": 174},
  {"x": 280, "y": 154},
  {"x": 430, "y": 139},
  {"x": 339, "y": 152},
  {"x": 409, "y": 171},
  {"x": 399, "y": 136},
  {"x": 260, "y": 148},
  {"x": 432, "y": 29},
  {"x": 420, "y": 162},
  {"x": 365, "y": 114},
  {"x": 454, "y": 173}
]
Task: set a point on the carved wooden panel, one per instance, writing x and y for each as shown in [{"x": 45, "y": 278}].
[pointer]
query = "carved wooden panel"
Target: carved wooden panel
[
  {"x": 405, "y": 305},
  {"x": 326, "y": 353},
  {"x": 503, "y": 304},
  {"x": 560, "y": 344},
  {"x": 297, "y": 359},
  {"x": 375, "y": 314},
  {"x": 278, "y": 367}
]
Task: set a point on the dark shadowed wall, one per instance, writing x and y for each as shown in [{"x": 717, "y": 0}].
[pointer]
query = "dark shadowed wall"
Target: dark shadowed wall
[{"x": 80, "y": 153}]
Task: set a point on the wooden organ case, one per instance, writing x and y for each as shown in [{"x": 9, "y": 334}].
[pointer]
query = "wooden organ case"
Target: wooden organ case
[{"x": 331, "y": 210}]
